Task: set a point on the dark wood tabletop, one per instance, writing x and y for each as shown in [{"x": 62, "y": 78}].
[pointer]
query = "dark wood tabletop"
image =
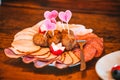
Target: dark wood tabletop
[{"x": 103, "y": 16}]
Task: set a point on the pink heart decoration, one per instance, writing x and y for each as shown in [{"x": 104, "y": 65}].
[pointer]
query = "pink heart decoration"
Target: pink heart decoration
[
  {"x": 65, "y": 16},
  {"x": 50, "y": 15},
  {"x": 53, "y": 20},
  {"x": 49, "y": 25}
]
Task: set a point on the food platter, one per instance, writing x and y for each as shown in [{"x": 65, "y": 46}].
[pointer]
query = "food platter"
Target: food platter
[
  {"x": 104, "y": 65},
  {"x": 54, "y": 43}
]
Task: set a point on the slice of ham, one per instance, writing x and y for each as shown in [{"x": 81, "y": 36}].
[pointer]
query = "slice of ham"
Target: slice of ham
[
  {"x": 44, "y": 56},
  {"x": 77, "y": 52},
  {"x": 51, "y": 56},
  {"x": 60, "y": 65},
  {"x": 26, "y": 46},
  {"x": 10, "y": 53},
  {"x": 41, "y": 51},
  {"x": 74, "y": 57},
  {"x": 28, "y": 59},
  {"x": 40, "y": 64},
  {"x": 68, "y": 59},
  {"x": 16, "y": 51},
  {"x": 61, "y": 58}
]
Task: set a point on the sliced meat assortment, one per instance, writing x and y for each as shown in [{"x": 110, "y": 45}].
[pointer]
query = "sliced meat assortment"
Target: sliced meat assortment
[{"x": 24, "y": 47}]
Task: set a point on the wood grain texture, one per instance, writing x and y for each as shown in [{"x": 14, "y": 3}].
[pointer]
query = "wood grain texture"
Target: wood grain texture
[
  {"x": 109, "y": 7},
  {"x": 17, "y": 16}
]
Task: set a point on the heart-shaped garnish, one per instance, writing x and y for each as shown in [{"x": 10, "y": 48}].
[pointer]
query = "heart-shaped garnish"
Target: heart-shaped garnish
[
  {"x": 65, "y": 16},
  {"x": 50, "y": 15},
  {"x": 49, "y": 25}
]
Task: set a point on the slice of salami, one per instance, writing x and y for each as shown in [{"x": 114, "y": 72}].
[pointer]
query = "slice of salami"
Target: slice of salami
[
  {"x": 93, "y": 47},
  {"x": 89, "y": 52},
  {"x": 96, "y": 43}
]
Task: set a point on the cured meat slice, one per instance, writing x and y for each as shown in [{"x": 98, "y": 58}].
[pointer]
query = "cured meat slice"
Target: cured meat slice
[
  {"x": 89, "y": 52},
  {"x": 44, "y": 56},
  {"x": 16, "y": 52},
  {"x": 10, "y": 53},
  {"x": 23, "y": 36},
  {"x": 68, "y": 59},
  {"x": 60, "y": 65},
  {"x": 99, "y": 41},
  {"x": 93, "y": 47},
  {"x": 77, "y": 52},
  {"x": 52, "y": 56},
  {"x": 98, "y": 45},
  {"x": 61, "y": 58},
  {"x": 28, "y": 59},
  {"x": 74, "y": 57},
  {"x": 41, "y": 52},
  {"x": 26, "y": 46},
  {"x": 40, "y": 64}
]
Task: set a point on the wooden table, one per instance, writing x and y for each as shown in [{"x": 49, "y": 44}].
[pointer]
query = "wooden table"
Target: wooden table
[{"x": 15, "y": 16}]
